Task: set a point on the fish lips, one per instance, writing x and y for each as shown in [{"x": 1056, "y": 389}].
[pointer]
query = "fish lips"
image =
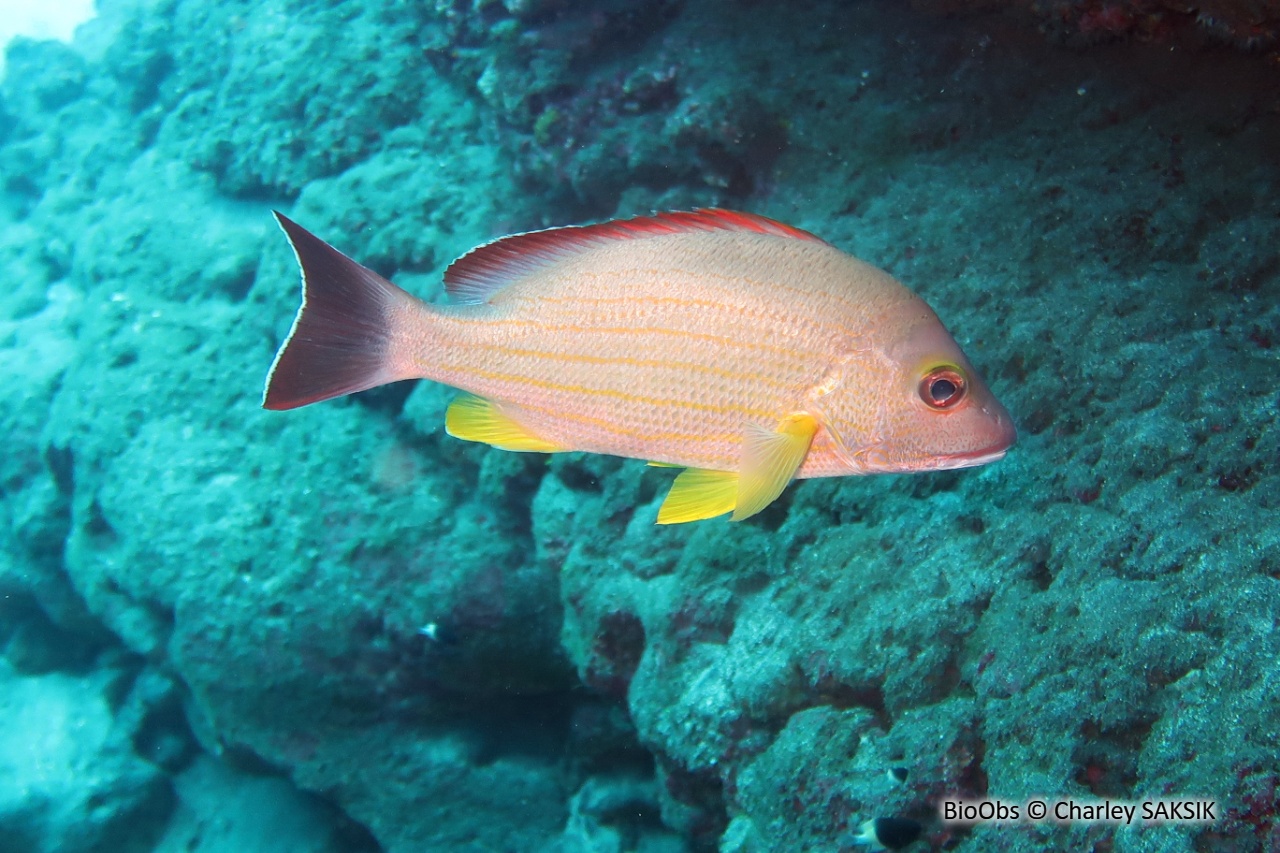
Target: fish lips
[
  {"x": 1005, "y": 436},
  {"x": 968, "y": 460}
]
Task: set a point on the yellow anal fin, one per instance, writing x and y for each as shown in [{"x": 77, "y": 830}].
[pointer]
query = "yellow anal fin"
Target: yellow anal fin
[
  {"x": 697, "y": 494},
  {"x": 770, "y": 461},
  {"x": 663, "y": 465},
  {"x": 477, "y": 419}
]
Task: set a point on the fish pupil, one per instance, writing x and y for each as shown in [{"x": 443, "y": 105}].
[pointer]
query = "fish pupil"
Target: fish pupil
[{"x": 942, "y": 387}]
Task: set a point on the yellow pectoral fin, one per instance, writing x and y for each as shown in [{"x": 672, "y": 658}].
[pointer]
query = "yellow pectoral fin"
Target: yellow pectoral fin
[
  {"x": 770, "y": 460},
  {"x": 697, "y": 494},
  {"x": 476, "y": 419}
]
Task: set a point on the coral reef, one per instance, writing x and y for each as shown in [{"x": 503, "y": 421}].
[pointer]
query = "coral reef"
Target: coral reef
[{"x": 339, "y": 629}]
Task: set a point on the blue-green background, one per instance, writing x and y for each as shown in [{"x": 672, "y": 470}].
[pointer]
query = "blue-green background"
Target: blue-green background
[{"x": 214, "y": 617}]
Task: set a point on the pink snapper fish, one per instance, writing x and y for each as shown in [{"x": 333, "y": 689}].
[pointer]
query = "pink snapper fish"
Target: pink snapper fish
[{"x": 747, "y": 352}]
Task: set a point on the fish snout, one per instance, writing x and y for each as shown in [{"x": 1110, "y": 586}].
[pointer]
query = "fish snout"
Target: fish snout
[
  {"x": 1002, "y": 427},
  {"x": 994, "y": 433}
]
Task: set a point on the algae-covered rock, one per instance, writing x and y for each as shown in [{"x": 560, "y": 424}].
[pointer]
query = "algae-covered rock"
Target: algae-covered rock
[
  {"x": 70, "y": 783},
  {"x": 449, "y": 647}
]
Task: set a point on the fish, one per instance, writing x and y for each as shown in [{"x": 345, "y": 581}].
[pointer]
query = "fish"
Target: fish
[{"x": 746, "y": 352}]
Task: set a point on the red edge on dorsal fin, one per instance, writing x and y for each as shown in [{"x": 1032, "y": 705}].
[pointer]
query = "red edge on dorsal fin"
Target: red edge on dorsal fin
[{"x": 487, "y": 269}]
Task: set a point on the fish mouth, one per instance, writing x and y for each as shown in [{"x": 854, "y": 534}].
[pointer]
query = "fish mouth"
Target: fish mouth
[
  {"x": 880, "y": 458},
  {"x": 1007, "y": 435},
  {"x": 868, "y": 462},
  {"x": 972, "y": 459},
  {"x": 982, "y": 455}
]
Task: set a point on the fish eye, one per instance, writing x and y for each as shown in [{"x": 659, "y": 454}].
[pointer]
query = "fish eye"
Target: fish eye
[{"x": 942, "y": 387}]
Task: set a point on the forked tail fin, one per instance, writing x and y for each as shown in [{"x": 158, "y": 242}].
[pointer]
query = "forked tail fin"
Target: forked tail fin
[{"x": 345, "y": 335}]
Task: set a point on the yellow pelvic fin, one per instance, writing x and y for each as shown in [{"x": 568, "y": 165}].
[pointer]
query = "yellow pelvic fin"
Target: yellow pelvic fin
[
  {"x": 770, "y": 461},
  {"x": 477, "y": 419},
  {"x": 663, "y": 465},
  {"x": 697, "y": 494}
]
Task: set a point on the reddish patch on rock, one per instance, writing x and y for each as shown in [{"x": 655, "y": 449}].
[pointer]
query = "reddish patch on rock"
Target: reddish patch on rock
[
  {"x": 959, "y": 772},
  {"x": 615, "y": 653},
  {"x": 1106, "y": 21},
  {"x": 698, "y": 620},
  {"x": 484, "y": 606},
  {"x": 1254, "y": 818},
  {"x": 701, "y": 791}
]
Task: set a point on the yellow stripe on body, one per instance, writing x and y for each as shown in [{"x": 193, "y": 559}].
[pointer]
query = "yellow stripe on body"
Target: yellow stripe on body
[
  {"x": 548, "y": 385},
  {"x": 714, "y": 449},
  {"x": 768, "y": 315},
  {"x": 788, "y": 272},
  {"x": 750, "y": 302},
  {"x": 692, "y": 367},
  {"x": 641, "y": 362},
  {"x": 582, "y": 329},
  {"x": 652, "y": 410},
  {"x": 611, "y": 420}
]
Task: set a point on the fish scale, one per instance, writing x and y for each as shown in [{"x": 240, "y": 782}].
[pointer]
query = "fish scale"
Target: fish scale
[
  {"x": 756, "y": 360},
  {"x": 744, "y": 350}
]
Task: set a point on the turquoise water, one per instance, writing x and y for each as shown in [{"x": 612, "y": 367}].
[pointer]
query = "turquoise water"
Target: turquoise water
[{"x": 338, "y": 629}]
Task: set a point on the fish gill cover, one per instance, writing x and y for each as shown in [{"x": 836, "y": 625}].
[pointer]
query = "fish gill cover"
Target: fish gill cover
[{"x": 342, "y": 630}]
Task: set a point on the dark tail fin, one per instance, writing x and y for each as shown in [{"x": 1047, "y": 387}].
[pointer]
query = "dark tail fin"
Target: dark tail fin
[{"x": 343, "y": 338}]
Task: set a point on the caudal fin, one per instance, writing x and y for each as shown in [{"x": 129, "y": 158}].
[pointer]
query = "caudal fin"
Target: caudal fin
[{"x": 343, "y": 339}]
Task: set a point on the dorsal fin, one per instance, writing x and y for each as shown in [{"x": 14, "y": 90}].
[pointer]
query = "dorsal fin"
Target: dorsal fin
[{"x": 487, "y": 269}]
